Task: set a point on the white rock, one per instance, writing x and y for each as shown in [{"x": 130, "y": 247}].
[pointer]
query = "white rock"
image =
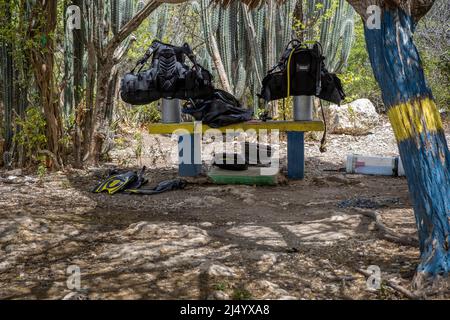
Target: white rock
[
  {"x": 206, "y": 224},
  {"x": 213, "y": 201},
  {"x": 194, "y": 201},
  {"x": 288, "y": 298},
  {"x": 75, "y": 296},
  {"x": 218, "y": 270},
  {"x": 16, "y": 172},
  {"x": 357, "y": 117},
  {"x": 218, "y": 295}
]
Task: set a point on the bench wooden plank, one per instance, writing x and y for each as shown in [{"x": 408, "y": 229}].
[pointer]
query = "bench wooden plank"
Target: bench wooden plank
[{"x": 283, "y": 126}]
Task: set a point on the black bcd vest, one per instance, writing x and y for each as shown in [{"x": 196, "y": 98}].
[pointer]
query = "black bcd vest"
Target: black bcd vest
[
  {"x": 168, "y": 77},
  {"x": 301, "y": 72}
]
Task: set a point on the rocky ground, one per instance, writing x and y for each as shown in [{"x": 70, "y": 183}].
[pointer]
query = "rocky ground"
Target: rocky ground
[{"x": 300, "y": 240}]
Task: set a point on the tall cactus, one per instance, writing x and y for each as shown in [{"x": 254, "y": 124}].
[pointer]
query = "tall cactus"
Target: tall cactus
[
  {"x": 78, "y": 59},
  {"x": 121, "y": 12},
  {"x": 68, "y": 67},
  {"x": 249, "y": 43},
  {"x": 336, "y": 30},
  {"x": 7, "y": 67},
  {"x": 115, "y": 15},
  {"x": 159, "y": 21}
]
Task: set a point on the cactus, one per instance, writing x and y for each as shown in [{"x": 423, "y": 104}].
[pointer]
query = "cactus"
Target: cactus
[
  {"x": 336, "y": 30},
  {"x": 7, "y": 68},
  {"x": 73, "y": 65},
  {"x": 249, "y": 43},
  {"x": 127, "y": 11},
  {"x": 68, "y": 70},
  {"x": 115, "y": 15},
  {"x": 78, "y": 60},
  {"x": 162, "y": 22},
  {"x": 159, "y": 20}
]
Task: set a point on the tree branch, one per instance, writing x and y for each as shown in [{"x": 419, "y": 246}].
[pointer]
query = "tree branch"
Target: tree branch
[
  {"x": 394, "y": 286},
  {"x": 122, "y": 51},
  {"x": 131, "y": 26},
  {"x": 388, "y": 233}
]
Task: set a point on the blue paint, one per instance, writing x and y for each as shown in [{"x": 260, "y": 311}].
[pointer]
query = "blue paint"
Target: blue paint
[
  {"x": 429, "y": 186},
  {"x": 395, "y": 60},
  {"x": 426, "y": 158},
  {"x": 296, "y": 155},
  {"x": 189, "y": 168}
]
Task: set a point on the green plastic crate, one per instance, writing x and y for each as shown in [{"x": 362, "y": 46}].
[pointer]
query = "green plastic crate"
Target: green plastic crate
[{"x": 251, "y": 177}]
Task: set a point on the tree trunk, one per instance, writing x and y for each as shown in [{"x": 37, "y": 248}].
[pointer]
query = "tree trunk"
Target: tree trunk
[
  {"x": 217, "y": 60},
  {"x": 87, "y": 117},
  {"x": 113, "y": 88},
  {"x": 78, "y": 84},
  {"x": 419, "y": 133},
  {"x": 43, "y": 67},
  {"x": 104, "y": 68}
]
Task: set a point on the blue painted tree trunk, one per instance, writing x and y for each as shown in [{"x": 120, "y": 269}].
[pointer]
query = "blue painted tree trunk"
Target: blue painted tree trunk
[{"x": 419, "y": 133}]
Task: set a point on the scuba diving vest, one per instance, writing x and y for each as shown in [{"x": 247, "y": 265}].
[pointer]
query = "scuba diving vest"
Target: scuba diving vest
[
  {"x": 219, "y": 110},
  {"x": 301, "y": 72},
  {"x": 169, "y": 76}
]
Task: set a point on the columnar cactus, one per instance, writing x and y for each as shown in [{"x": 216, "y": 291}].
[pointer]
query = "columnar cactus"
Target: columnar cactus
[
  {"x": 8, "y": 91},
  {"x": 249, "y": 43},
  {"x": 336, "y": 30}
]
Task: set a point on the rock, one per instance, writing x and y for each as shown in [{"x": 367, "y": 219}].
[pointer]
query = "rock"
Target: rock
[
  {"x": 194, "y": 201},
  {"x": 249, "y": 201},
  {"x": 208, "y": 201},
  {"x": 356, "y": 118},
  {"x": 271, "y": 288},
  {"x": 206, "y": 224},
  {"x": 288, "y": 298},
  {"x": 217, "y": 270},
  {"x": 16, "y": 172},
  {"x": 211, "y": 201},
  {"x": 76, "y": 296},
  {"x": 218, "y": 295}
]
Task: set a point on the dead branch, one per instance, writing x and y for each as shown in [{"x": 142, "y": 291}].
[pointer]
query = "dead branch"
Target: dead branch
[
  {"x": 395, "y": 286},
  {"x": 388, "y": 233}
]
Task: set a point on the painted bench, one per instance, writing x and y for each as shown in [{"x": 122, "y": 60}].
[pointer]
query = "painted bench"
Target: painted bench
[{"x": 295, "y": 143}]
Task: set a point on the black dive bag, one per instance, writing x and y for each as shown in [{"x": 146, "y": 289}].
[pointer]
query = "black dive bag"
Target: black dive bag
[
  {"x": 301, "y": 72},
  {"x": 219, "y": 110},
  {"x": 169, "y": 76}
]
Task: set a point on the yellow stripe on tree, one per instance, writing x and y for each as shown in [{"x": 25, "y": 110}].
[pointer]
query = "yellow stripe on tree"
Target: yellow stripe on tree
[{"x": 414, "y": 117}]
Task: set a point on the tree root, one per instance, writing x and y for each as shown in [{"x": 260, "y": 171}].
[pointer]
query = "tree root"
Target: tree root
[
  {"x": 395, "y": 286},
  {"x": 427, "y": 285},
  {"x": 388, "y": 233}
]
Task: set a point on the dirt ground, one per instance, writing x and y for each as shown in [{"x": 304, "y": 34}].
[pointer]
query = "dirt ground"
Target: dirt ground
[{"x": 299, "y": 240}]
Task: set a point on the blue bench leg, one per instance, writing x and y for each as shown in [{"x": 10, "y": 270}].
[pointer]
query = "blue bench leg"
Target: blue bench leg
[
  {"x": 296, "y": 155},
  {"x": 190, "y": 163}
]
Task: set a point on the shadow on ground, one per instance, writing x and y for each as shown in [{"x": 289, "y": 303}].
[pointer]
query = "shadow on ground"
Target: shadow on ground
[{"x": 301, "y": 239}]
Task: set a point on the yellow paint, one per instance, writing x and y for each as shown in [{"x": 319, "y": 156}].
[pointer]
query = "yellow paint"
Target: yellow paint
[
  {"x": 414, "y": 117},
  {"x": 282, "y": 126}
]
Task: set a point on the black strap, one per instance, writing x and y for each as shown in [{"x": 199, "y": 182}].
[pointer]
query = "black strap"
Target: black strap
[
  {"x": 323, "y": 142},
  {"x": 185, "y": 49}
]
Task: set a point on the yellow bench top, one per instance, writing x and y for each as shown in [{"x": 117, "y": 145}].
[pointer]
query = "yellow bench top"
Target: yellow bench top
[{"x": 283, "y": 126}]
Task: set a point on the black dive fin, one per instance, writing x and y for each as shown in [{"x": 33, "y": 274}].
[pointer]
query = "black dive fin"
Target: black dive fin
[
  {"x": 139, "y": 182},
  {"x": 116, "y": 182},
  {"x": 164, "y": 186}
]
